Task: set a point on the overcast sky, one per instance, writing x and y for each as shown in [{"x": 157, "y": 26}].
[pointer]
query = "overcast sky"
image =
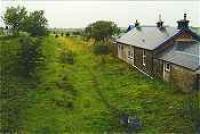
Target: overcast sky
[{"x": 81, "y": 13}]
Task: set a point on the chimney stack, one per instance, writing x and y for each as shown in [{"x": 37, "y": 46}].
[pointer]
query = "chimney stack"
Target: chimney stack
[
  {"x": 160, "y": 22},
  {"x": 183, "y": 24}
]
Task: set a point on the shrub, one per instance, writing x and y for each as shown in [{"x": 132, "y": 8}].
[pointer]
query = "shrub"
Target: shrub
[
  {"x": 67, "y": 57},
  {"x": 56, "y": 36},
  {"x": 30, "y": 55},
  {"x": 67, "y": 34},
  {"x": 101, "y": 48}
]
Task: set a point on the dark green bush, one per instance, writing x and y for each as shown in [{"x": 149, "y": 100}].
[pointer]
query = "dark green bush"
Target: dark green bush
[
  {"x": 101, "y": 48},
  {"x": 67, "y": 34},
  {"x": 67, "y": 57},
  {"x": 30, "y": 55},
  {"x": 56, "y": 36}
]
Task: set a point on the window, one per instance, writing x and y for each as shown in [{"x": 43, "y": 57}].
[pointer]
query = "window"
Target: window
[
  {"x": 167, "y": 68},
  {"x": 144, "y": 58}
]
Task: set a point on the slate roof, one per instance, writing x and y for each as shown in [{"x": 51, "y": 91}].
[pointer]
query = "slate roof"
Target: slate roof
[
  {"x": 187, "y": 56},
  {"x": 148, "y": 37}
]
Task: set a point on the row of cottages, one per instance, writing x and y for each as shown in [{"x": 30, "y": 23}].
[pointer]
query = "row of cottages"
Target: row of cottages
[{"x": 164, "y": 52}]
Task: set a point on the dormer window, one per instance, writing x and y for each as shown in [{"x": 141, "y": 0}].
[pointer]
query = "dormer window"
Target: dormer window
[{"x": 144, "y": 58}]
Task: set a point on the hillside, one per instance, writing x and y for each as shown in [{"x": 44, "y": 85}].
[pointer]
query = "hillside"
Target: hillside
[{"x": 80, "y": 94}]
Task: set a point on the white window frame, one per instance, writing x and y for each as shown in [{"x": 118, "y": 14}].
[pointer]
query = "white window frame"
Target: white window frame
[{"x": 144, "y": 58}]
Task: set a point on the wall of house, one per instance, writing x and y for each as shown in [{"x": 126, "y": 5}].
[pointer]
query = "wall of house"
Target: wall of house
[
  {"x": 148, "y": 68},
  {"x": 184, "y": 79},
  {"x": 123, "y": 51},
  {"x": 158, "y": 68},
  {"x": 114, "y": 49},
  {"x": 138, "y": 57}
]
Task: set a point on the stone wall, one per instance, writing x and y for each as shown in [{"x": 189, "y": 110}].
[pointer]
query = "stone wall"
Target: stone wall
[
  {"x": 158, "y": 68},
  {"x": 182, "y": 78}
]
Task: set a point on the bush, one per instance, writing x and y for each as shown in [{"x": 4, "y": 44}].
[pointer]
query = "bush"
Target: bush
[
  {"x": 67, "y": 34},
  {"x": 67, "y": 57},
  {"x": 101, "y": 48},
  {"x": 31, "y": 55},
  {"x": 56, "y": 36}
]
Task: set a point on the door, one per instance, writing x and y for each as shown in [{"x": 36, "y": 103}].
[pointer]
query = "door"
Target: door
[
  {"x": 119, "y": 51},
  {"x": 131, "y": 56}
]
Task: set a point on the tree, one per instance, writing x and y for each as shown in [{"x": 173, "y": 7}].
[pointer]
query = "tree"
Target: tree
[
  {"x": 101, "y": 30},
  {"x": 36, "y": 24},
  {"x": 31, "y": 55},
  {"x": 18, "y": 20},
  {"x": 14, "y": 18}
]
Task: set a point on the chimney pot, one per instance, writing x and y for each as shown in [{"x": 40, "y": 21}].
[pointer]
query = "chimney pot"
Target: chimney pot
[
  {"x": 160, "y": 22},
  {"x": 137, "y": 23}
]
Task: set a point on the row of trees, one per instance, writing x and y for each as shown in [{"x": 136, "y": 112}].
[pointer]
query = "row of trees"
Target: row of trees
[
  {"x": 21, "y": 62},
  {"x": 20, "y": 20}
]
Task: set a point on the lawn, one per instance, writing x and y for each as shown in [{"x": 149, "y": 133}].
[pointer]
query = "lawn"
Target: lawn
[{"x": 88, "y": 96}]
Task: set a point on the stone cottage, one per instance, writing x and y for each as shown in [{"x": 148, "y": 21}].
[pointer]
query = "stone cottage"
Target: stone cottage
[{"x": 164, "y": 52}]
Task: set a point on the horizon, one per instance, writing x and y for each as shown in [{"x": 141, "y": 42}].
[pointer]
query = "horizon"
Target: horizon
[{"x": 82, "y": 13}]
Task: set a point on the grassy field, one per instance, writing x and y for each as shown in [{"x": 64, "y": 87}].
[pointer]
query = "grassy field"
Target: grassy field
[{"x": 86, "y": 96}]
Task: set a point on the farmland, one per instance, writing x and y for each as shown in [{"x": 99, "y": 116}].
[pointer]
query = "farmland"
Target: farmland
[{"x": 82, "y": 94}]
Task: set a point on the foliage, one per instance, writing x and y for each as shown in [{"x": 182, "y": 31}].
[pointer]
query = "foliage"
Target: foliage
[
  {"x": 18, "y": 20},
  {"x": 101, "y": 48},
  {"x": 67, "y": 56},
  {"x": 101, "y": 30},
  {"x": 191, "y": 109},
  {"x": 14, "y": 18},
  {"x": 30, "y": 56},
  {"x": 13, "y": 97},
  {"x": 1, "y": 30},
  {"x": 36, "y": 24},
  {"x": 67, "y": 34},
  {"x": 56, "y": 36}
]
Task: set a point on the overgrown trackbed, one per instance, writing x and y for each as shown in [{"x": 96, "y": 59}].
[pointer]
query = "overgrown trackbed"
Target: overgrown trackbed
[
  {"x": 82, "y": 95},
  {"x": 110, "y": 89}
]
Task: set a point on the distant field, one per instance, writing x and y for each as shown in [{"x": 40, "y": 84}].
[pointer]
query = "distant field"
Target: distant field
[{"x": 86, "y": 96}]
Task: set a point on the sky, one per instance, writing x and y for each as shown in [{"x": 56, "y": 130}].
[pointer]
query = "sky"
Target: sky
[{"x": 77, "y": 14}]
